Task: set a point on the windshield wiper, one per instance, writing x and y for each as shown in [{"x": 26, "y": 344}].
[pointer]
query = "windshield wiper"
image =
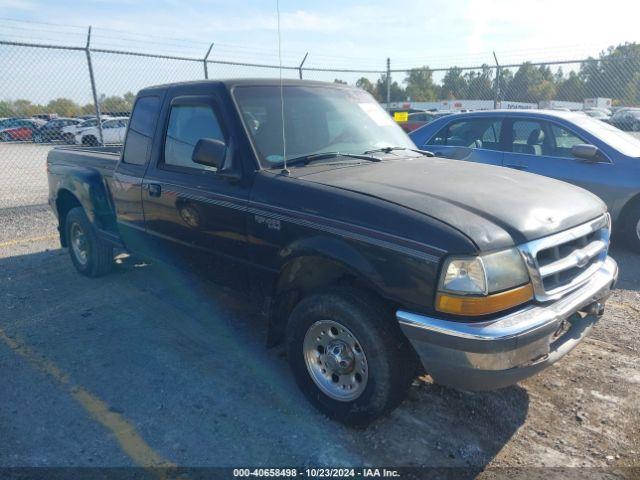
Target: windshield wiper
[
  {"x": 306, "y": 159},
  {"x": 426, "y": 153}
]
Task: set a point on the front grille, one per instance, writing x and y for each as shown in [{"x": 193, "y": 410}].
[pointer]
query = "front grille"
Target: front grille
[{"x": 564, "y": 261}]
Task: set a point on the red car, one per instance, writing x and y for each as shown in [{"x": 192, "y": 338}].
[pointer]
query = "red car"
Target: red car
[
  {"x": 416, "y": 120},
  {"x": 19, "y": 129}
]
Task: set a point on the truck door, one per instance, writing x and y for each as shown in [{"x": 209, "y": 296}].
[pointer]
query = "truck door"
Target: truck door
[
  {"x": 193, "y": 215},
  {"x": 126, "y": 185}
]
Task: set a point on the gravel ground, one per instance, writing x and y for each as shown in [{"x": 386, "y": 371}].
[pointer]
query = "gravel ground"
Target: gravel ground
[{"x": 149, "y": 366}]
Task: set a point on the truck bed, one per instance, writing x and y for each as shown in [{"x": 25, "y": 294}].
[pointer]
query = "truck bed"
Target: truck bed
[{"x": 103, "y": 159}]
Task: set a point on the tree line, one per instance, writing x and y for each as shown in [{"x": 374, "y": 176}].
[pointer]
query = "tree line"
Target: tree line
[
  {"x": 66, "y": 107},
  {"x": 614, "y": 74}
]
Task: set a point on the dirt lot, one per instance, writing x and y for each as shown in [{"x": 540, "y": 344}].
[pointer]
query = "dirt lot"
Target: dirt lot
[{"x": 148, "y": 366}]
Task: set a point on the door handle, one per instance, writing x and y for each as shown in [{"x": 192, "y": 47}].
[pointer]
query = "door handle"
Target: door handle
[{"x": 154, "y": 189}]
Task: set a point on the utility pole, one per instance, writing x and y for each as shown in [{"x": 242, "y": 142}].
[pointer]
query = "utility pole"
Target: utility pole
[
  {"x": 301, "y": 64},
  {"x": 388, "y": 84},
  {"x": 204, "y": 61},
  {"x": 496, "y": 98},
  {"x": 94, "y": 90}
]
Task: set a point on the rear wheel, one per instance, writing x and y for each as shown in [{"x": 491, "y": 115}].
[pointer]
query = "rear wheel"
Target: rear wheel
[
  {"x": 348, "y": 355},
  {"x": 5, "y": 137},
  {"x": 90, "y": 255}
]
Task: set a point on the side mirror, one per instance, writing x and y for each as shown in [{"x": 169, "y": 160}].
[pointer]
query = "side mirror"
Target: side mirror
[
  {"x": 587, "y": 152},
  {"x": 210, "y": 152}
]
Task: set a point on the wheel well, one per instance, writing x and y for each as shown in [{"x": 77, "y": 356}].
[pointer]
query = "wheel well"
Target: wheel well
[
  {"x": 301, "y": 277},
  {"x": 626, "y": 210},
  {"x": 65, "y": 202}
]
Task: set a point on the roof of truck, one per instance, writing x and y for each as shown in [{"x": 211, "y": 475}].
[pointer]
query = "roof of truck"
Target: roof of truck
[{"x": 233, "y": 82}]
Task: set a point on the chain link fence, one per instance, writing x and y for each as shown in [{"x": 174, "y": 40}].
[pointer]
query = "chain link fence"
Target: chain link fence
[{"x": 41, "y": 82}]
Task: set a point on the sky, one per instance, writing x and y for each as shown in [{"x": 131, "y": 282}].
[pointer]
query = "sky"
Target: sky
[
  {"x": 359, "y": 33},
  {"x": 341, "y": 34}
]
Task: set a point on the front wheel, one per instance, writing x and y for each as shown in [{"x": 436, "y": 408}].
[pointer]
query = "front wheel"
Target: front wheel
[
  {"x": 90, "y": 140},
  {"x": 632, "y": 228},
  {"x": 348, "y": 355},
  {"x": 90, "y": 255}
]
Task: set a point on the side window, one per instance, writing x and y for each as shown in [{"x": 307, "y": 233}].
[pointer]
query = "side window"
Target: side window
[
  {"x": 143, "y": 122},
  {"x": 475, "y": 133},
  {"x": 439, "y": 138},
  {"x": 187, "y": 125},
  {"x": 529, "y": 138},
  {"x": 562, "y": 142}
]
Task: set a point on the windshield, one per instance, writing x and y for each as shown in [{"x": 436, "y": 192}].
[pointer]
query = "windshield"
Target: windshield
[
  {"x": 89, "y": 123},
  {"x": 318, "y": 119},
  {"x": 614, "y": 137}
]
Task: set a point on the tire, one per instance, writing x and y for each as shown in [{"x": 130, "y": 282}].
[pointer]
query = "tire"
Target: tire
[
  {"x": 90, "y": 255},
  {"x": 69, "y": 139},
  {"x": 4, "y": 137},
  {"x": 632, "y": 227},
  {"x": 90, "y": 140},
  {"x": 377, "y": 352}
]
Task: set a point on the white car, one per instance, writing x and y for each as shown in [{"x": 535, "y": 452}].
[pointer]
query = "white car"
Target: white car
[
  {"x": 113, "y": 131},
  {"x": 69, "y": 133}
]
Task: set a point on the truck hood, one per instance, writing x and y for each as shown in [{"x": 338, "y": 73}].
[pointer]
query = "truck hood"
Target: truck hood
[{"x": 495, "y": 207}]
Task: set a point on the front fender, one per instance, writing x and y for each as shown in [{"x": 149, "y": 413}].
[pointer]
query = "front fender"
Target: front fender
[
  {"x": 394, "y": 275},
  {"x": 331, "y": 249}
]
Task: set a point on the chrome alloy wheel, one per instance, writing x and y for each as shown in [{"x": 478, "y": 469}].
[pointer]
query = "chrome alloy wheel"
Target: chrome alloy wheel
[
  {"x": 638, "y": 229},
  {"x": 79, "y": 244},
  {"x": 335, "y": 360}
]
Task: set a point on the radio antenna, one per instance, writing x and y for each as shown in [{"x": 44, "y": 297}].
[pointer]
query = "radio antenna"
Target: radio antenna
[{"x": 285, "y": 170}]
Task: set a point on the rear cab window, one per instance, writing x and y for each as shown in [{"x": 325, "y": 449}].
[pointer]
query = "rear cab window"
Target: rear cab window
[{"x": 141, "y": 127}]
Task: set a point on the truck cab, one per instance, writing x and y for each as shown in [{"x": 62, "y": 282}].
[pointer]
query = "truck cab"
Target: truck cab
[{"x": 375, "y": 260}]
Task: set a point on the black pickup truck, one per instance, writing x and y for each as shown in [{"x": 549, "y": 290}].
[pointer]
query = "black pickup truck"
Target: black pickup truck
[{"x": 376, "y": 261}]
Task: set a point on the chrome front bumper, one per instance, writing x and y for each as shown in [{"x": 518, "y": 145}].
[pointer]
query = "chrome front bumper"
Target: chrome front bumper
[{"x": 496, "y": 353}]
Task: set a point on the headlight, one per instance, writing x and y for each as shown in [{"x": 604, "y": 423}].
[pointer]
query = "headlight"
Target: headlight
[{"x": 484, "y": 284}]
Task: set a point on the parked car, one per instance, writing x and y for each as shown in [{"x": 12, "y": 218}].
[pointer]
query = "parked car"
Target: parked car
[
  {"x": 564, "y": 145},
  {"x": 598, "y": 114},
  {"x": 627, "y": 119},
  {"x": 368, "y": 259},
  {"x": 20, "y": 129},
  {"x": 393, "y": 111},
  {"x": 52, "y": 130},
  {"x": 113, "y": 132},
  {"x": 45, "y": 116},
  {"x": 70, "y": 132},
  {"x": 416, "y": 120}
]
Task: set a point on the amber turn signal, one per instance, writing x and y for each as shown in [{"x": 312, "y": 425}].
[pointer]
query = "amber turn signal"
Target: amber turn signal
[{"x": 475, "y": 305}]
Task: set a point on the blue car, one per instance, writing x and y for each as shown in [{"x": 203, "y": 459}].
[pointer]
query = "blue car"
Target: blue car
[{"x": 568, "y": 146}]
